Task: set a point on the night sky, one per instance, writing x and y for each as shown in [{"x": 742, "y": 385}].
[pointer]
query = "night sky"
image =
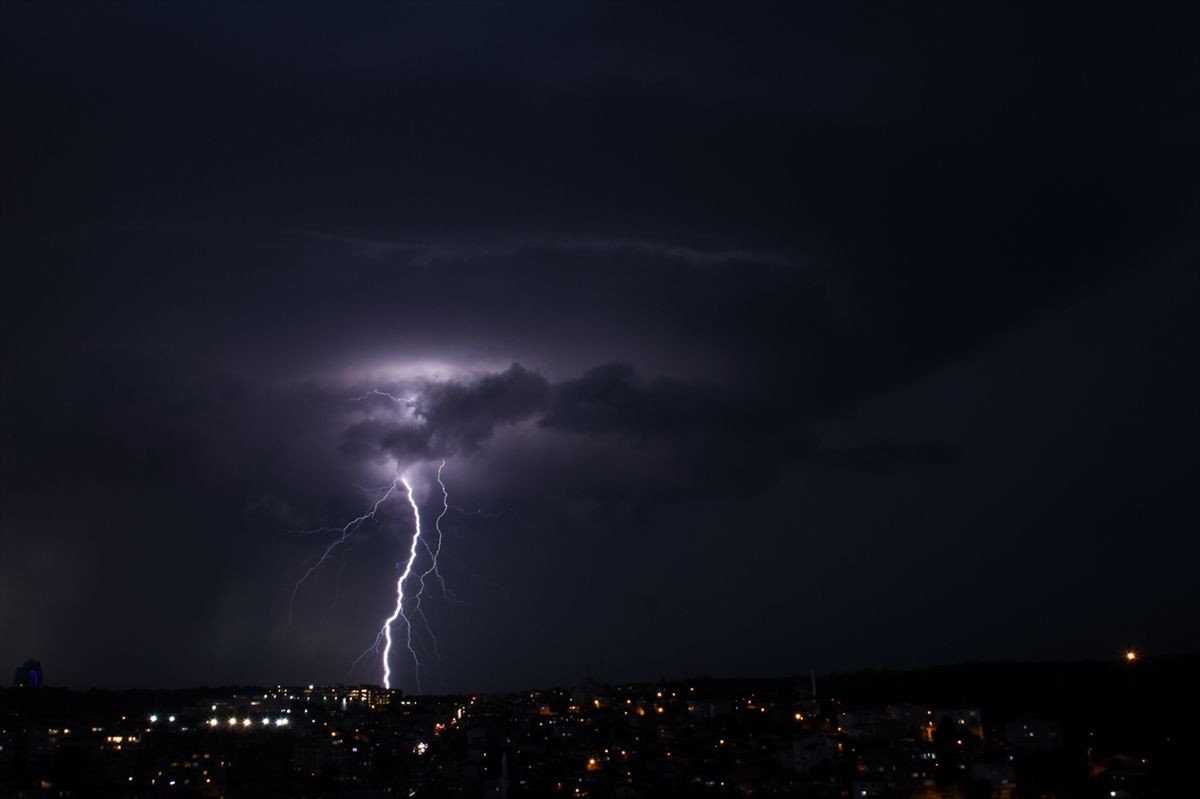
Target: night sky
[{"x": 754, "y": 339}]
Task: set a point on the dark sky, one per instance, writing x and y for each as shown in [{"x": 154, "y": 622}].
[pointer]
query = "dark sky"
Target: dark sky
[{"x": 762, "y": 337}]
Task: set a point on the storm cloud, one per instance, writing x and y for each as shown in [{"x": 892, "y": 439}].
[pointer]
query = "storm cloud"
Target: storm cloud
[{"x": 712, "y": 313}]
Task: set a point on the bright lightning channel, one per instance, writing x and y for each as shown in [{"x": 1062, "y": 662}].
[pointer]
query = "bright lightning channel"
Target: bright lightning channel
[
  {"x": 402, "y": 612},
  {"x": 399, "y": 613},
  {"x": 409, "y": 614}
]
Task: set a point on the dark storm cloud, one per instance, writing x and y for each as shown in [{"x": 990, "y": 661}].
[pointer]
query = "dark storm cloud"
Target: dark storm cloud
[
  {"x": 697, "y": 431},
  {"x": 887, "y": 454},
  {"x": 451, "y": 418},
  {"x": 701, "y": 239},
  {"x": 899, "y": 168},
  {"x": 702, "y": 437},
  {"x": 613, "y": 399}
]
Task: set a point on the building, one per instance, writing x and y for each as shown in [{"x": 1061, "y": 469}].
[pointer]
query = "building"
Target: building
[{"x": 968, "y": 719}]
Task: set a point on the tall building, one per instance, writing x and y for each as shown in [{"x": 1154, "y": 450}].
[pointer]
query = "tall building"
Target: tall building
[{"x": 29, "y": 675}]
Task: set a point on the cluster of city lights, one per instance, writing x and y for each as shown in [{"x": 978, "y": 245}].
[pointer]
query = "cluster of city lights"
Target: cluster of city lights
[
  {"x": 233, "y": 721},
  {"x": 247, "y": 722}
]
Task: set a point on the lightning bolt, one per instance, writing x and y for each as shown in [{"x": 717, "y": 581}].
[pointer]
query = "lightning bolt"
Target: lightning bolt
[
  {"x": 409, "y": 614},
  {"x": 407, "y": 609},
  {"x": 399, "y": 613},
  {"x": 435, "y": 554},
  {"x": 384, "y": 638}
]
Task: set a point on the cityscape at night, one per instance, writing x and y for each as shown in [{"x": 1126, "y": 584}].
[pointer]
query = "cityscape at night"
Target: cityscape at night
[
  {"x": 1087, "y": 730},
  {"x": 1071, "y": 730},
  {"x": 592, "y": 399}
]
